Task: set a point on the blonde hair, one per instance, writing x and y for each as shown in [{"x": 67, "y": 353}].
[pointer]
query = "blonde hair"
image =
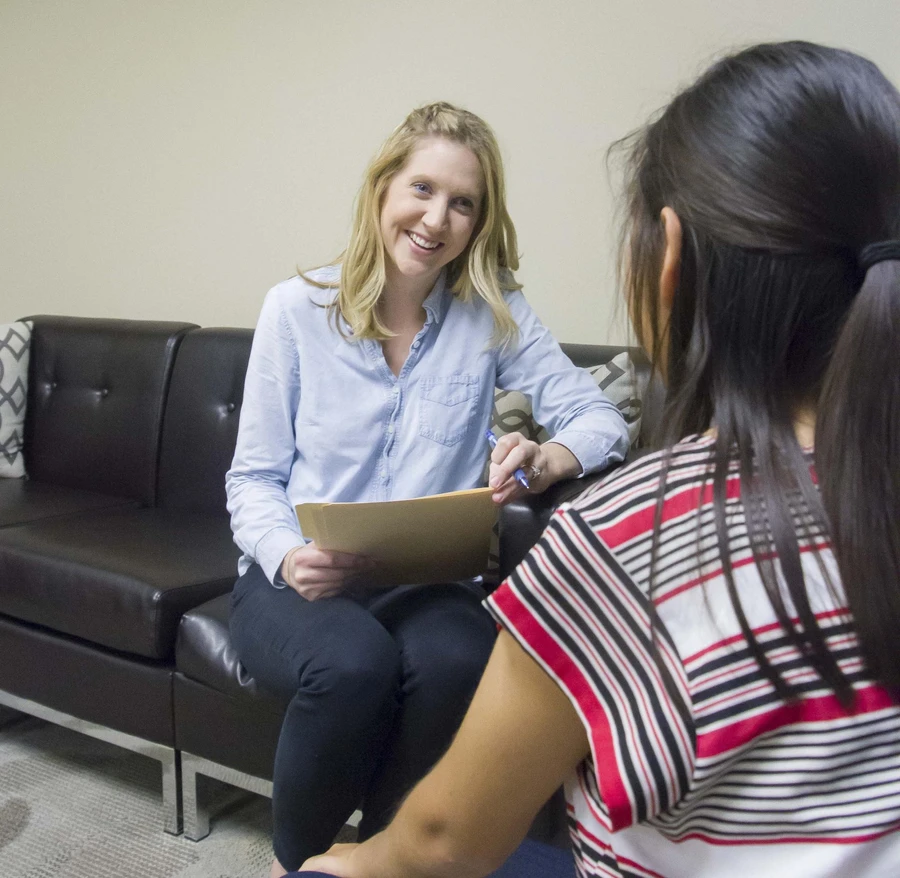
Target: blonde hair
[{"x": 485, "y": 268}]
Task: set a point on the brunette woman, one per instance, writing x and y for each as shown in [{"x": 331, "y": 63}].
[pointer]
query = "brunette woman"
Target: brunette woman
[{"x": 704, "y": 647}]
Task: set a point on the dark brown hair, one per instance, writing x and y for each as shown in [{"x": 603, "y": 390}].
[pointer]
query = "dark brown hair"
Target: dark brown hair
[{"x": 783, "y": 162}]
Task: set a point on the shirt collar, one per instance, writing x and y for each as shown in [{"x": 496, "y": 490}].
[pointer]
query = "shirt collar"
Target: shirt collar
[
  {"x": 438, "y": 300},
  {"x": 436, "y": 303}
]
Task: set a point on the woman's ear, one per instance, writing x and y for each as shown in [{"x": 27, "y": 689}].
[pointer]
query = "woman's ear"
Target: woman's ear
[{"x": 671, "y": 268}]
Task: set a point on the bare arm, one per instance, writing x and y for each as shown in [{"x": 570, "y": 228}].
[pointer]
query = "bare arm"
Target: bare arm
[{"x": 519, "y": 741}]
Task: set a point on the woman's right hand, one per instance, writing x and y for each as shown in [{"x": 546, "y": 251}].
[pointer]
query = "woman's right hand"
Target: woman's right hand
[{"x": 319, "y": 573}]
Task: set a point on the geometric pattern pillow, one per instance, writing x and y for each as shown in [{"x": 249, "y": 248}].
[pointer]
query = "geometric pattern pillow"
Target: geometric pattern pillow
[
  {"x": 617, "y": 379},
  {"x": 15, "y": 343},
  {"x": 512, "y": 413}
]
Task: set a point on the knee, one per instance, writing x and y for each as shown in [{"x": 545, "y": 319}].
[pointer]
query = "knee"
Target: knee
[
  {"x": 449, "y": 667},
  {"x": 358, "y": 669}
]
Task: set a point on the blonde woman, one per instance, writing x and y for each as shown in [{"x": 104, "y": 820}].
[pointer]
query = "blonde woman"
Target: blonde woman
[{"x": 373, "y": 379}]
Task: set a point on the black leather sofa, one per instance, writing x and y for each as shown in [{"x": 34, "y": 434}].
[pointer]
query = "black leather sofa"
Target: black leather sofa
[
  {"x": 116, "y": 556},
  {"x": 121, "y": 526}
]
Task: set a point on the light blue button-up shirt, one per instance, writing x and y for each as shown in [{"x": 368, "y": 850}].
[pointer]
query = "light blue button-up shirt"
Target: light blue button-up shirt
[{"x": 325, "y": 419}]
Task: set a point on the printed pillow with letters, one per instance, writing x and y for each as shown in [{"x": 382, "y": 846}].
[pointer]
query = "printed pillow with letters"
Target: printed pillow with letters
[
  {"x": 512, "y": 412},
  {"x": 617, "y": 379}
]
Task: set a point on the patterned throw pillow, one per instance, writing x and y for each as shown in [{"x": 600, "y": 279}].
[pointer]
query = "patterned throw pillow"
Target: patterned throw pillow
[
  {"x": 15, "y": 342},
  {"x": 619, "y": 382},
  {"x": 617, "y": 379},
  {"x": 512, "y": 413}
]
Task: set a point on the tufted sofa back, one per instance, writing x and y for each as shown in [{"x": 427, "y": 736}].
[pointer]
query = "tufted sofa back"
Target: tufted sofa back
[
  {"x": 95, "y": 402},
  {"x": 149, "y": 411},
  {"x": 201, "y": 419}
]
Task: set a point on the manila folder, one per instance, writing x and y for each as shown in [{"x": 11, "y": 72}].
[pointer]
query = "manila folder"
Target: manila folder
[{"x": 440, "y": 538}]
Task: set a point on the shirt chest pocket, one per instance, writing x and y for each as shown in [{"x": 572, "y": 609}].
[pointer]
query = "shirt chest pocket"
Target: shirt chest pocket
[{"x": 448, "y": 406}]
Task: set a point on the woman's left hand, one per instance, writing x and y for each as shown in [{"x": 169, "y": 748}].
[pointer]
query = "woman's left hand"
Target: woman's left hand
[{"x": 335, "y": 861}]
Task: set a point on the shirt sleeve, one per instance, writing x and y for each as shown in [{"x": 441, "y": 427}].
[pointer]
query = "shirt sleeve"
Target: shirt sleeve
[
  {"x": 573, "y": 607},
  {"x": 263, "y": 520},
  {"x": 565, "y": 400}
]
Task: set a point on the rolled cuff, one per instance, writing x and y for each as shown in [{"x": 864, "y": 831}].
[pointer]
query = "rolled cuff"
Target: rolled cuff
[
  {"x": 594, "y": 451},
  {"x": 272, "y": 548}
]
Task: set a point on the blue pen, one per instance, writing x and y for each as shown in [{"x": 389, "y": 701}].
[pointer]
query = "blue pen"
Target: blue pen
[{"x": 519, "y": 475}]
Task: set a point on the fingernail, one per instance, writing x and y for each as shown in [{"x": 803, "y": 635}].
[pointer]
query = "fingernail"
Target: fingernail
[{"x": 494, "y": 482}]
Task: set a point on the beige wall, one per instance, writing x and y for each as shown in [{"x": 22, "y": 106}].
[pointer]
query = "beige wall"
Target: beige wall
[{"x": 172, "y": 160}]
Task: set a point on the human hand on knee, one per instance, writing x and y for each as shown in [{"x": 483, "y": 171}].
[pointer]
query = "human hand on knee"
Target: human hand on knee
[{"x": 318, "y": 573}]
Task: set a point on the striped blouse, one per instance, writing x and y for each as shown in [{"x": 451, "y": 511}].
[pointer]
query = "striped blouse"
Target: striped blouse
[{"x": 708, "y": 773}]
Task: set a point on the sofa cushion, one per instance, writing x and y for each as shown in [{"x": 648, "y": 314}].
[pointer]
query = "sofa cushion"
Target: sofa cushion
[
  {"x": 204, "y": 653},
  {"x": 23, "y": 501},
  {"x": 119, "y": 578},
  {"x": 15, "y": 343},
  {"x": 95, "y": 402}
]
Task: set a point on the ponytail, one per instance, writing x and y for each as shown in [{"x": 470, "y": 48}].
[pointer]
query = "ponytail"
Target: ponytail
[
  {"x": 858, "y": 458},
  {"x": 780, "y": 161}
]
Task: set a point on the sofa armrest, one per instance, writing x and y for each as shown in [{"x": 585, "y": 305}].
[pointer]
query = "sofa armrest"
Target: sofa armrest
[{"x": 523, "y": 521}]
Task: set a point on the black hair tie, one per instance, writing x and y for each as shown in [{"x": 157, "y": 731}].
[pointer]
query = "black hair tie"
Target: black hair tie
[{"x": 882, "y": 251}]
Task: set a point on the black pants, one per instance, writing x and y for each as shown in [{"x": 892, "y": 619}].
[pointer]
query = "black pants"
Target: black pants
[{"x": 378, "y": 685}]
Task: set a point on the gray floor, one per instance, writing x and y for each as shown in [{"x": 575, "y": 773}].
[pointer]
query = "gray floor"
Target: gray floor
[{"x": 77, "y": 807}]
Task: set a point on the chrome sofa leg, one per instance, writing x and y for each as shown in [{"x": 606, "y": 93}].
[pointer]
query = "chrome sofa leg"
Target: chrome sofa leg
[
  {"x": 196, "y": 817},
  {"x": 171, "y": 793}
]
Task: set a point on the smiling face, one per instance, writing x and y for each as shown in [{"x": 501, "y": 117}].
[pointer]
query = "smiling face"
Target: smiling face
[{"x": 429, "y": 213}]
